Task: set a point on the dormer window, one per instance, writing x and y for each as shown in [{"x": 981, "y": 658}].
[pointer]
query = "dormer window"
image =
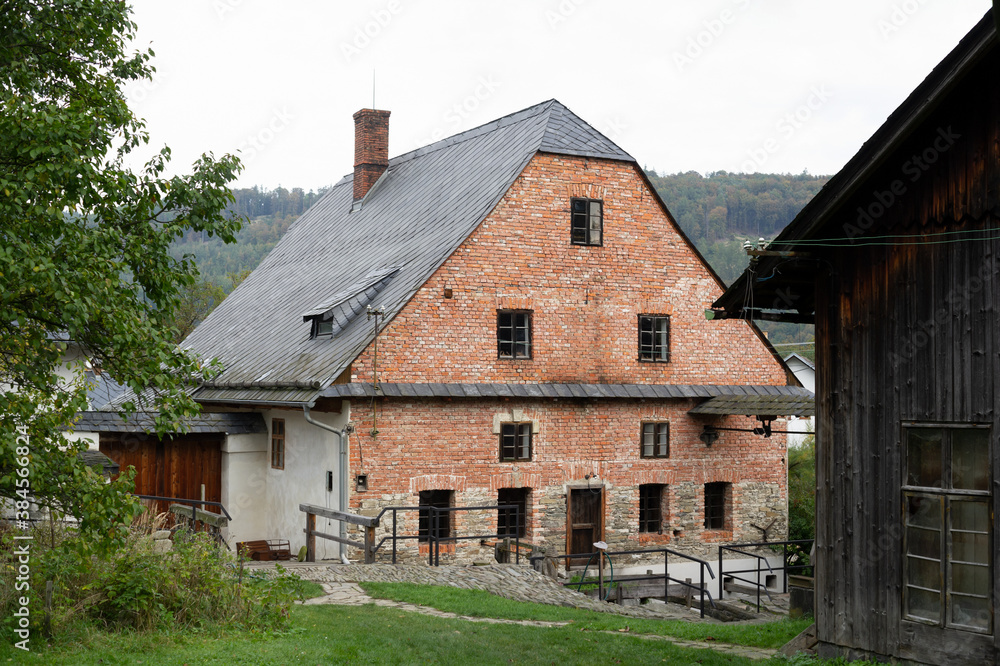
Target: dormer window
[
  {"x": 329, "y": 319},
  {"x": 586, "y": 221},
  {"x": 321, "y": 328}
]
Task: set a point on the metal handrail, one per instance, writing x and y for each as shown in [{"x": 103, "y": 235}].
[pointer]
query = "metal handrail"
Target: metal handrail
[
  {"x": 194, "y": 504},
  {"x": 435, "y": 540},
  {"x": 666, "y": 577},
  {"x": 785, "y": 567}
]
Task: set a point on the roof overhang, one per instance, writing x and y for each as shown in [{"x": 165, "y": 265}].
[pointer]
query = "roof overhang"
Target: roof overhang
[
  {"x": 229, "y": 423},
  {"x": 780, "y": 285},
  {"x": 562, "y": 391},
  {"x": 762, "y": 406}
]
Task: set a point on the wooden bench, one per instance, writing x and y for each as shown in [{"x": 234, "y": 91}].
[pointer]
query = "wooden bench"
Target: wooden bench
[{"x": 265, "y": 550}]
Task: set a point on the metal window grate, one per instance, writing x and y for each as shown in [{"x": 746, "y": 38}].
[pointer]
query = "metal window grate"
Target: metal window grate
[
  {"x": 510, "y": 522},
  {"x": 715, "y": 505},
  {"x": 651, "y": 507}
]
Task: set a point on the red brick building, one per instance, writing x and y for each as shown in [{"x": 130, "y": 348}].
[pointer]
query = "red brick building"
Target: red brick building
[{"x": 509, "y": 315}]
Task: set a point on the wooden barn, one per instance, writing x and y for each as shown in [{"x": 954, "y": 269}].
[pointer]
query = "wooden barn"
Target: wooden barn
[{"x": 897, "y": 261}]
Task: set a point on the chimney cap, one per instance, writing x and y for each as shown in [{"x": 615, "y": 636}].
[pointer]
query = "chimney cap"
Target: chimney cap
[{"x": 371, "y": 112}]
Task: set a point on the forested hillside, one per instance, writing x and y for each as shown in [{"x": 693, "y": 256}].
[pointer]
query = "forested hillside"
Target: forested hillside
[
  {"x": 718, "y": 212},
  {"x": 270, "y": 213}
]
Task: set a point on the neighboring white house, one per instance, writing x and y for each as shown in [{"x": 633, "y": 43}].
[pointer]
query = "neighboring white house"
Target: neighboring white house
[{"x": 805, "y": 372}]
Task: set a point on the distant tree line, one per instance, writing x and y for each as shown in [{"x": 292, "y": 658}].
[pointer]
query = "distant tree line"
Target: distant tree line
[
  {"x": 718, "y": 212},
  {"x": 720, "y": 205},
  {"x": 256, "y": 202}
]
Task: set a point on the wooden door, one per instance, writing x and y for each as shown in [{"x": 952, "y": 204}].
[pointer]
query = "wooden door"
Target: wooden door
[
  {"x": 172, "y": 467},
  {"x": 584, "y": 522}
]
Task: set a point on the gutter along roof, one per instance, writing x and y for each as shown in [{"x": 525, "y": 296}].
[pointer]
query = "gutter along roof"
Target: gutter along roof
[{"x": 781, "y": 288}]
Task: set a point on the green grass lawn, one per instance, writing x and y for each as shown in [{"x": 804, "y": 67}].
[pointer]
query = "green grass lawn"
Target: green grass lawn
[
  {"x": 375, "y": 635},
  {"x": 476, "y": 603}
]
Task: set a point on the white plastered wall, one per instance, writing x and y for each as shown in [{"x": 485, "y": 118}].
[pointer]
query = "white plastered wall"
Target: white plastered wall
[
  {"x": 244, "y": 485},
  {"x": 310, "y": 452}
]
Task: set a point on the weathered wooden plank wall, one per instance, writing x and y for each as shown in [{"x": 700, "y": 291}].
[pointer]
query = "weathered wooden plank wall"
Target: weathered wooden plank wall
[
  {"x": 906, "y": 333},
  {"x": 172, "y": 467}
]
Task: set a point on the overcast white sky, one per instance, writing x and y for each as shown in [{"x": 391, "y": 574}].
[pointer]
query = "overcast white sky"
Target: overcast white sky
[{"x": 735, "y": 85}]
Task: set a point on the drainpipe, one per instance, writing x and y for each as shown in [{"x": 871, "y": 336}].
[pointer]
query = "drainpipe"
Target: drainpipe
[{"x": 343, "y": 472}]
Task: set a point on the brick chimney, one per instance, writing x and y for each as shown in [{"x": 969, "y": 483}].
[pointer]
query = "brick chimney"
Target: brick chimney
[{"x": 371, "y": 148}]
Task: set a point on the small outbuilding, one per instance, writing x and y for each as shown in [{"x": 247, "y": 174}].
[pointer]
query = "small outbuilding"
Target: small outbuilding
[{"x": 897, "y": 262}]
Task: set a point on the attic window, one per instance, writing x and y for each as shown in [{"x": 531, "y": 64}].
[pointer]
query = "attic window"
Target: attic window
[
  {"x": 654, "y": 338},
  {"x": 321, "y": 328},
  {"x": 332, "y": 316},
  {"x": 586, "y": 221},
  {"x": 514, "y": 334}
]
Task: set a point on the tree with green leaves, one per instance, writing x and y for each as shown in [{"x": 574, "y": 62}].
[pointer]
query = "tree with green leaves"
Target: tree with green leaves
[
  {"x": 83, "y": 248},
  {"x": 802, "y": 489}
]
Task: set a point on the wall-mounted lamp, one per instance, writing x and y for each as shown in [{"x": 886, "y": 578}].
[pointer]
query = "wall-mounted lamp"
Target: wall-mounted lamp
[{"x": 709, "y": 435}]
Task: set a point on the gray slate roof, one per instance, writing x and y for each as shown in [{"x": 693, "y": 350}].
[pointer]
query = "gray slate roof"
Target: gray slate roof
[
  {"x": 103, "y": 389},
  {"x": 233, "y": 423},
  {"x": 792, "y": 396},
  {"x": 760, "y": 405},
  {"x": 421, "y": 209}
]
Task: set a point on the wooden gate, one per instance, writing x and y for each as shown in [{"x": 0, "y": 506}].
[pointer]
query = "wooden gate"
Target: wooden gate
[
  {"x": 175, "y": 466},
  {"x": 584, "y": 522}
]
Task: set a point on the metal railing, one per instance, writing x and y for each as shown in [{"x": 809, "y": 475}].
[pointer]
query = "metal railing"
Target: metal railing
[
  {"x": 433, "y": 536},
  {"x": 213, "y": 529},
  {"x": 758, "y": 570},
  {"x": 701, "y": 589},
  {"x": 195, "y": 504}
]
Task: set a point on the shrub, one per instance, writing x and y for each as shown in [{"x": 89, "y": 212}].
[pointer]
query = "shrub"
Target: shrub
[{"x": 198, "y": 583}]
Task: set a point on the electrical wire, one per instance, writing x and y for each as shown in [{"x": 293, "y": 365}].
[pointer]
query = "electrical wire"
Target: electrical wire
[{"x": 917, "y": 239}]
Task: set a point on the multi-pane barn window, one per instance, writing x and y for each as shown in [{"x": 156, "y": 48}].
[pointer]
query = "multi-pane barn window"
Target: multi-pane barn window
[
  {"x": 718, "y": 496},
  {"x": 651, "y": 498},
  {"x": 515, "y": 441},
  {"x": 587, "y": 224},
  {"x": 655, "y": 440},
  {"x": 514, "y": 334},
  {"x": 278, "y": 443},
  {"x": 947, "y": 504},
  {"x": 654, "y": 338}
]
